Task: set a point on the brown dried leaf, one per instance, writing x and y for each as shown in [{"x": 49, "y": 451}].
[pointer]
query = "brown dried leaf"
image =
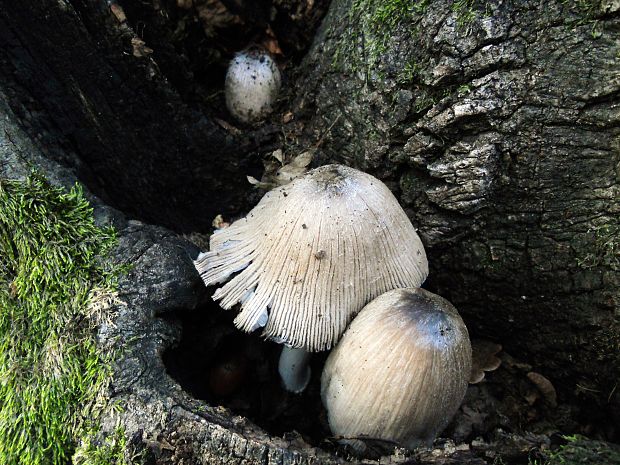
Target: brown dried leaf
[
  {"x": 214, "y": 15},
  {"x": 278, "y": 155},
  {"x": 260, "y": 184},
  {"x": 229, "y": 127},
  {"x": 139, "y": 48},
  {"x": 279, "y": 173},
  {"x": 118, "y": 12},
  {"x": 545, "y": 387},
  {"x": 270, "y": 43},
  {"x": 302, "y": 160},
  {"x": 294, "y": 169}
]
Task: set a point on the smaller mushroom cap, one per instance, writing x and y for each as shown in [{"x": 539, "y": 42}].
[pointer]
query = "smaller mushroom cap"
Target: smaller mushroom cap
[
  {"x": 400, "y": 371},
  {"x": 252, "y": 85},
  {"x": 483, "y": 358},
  {"x": 311, "y": 254}
]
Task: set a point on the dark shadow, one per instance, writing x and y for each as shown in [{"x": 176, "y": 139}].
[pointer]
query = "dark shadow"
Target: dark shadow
[{"x": 223, "y": 366}]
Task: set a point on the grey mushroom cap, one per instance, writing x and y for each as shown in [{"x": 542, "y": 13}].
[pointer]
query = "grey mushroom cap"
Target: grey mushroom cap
[
  {"x": 400, "y": 371},
  {"x": 311, "y": 254}
]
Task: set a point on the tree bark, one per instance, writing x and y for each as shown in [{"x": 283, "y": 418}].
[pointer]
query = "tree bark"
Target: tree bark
[
  {"x": 497, "y": 125},
  {"x": 102, "y": 95}
]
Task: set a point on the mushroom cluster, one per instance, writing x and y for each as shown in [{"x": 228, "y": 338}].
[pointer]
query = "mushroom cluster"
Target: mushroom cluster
[
  {"x": 304, "y": 262},
  {"x": 309, "y": 256}
]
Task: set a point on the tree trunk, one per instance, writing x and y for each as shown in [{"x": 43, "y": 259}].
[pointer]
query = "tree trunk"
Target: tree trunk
[{"x": 496, "y": 125}]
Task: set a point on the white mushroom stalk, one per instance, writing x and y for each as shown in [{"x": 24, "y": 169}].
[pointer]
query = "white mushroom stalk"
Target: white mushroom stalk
[{"x": 293, "y": 368}]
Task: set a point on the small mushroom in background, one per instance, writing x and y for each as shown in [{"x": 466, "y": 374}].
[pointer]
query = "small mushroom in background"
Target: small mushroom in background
[
  {"x": 484, "y": 358},
  {"x": 309, "y": 256},
  {"x": 400, "y": 371},
  {"x": 252, "y": 85}
]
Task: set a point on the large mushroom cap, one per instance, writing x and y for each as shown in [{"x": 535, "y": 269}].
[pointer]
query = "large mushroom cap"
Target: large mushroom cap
[
  {"x": 311, "y": 254},
  {"x": 400, "y": 371}
]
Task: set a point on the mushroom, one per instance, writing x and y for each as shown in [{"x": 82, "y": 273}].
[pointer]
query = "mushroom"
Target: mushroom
[
  {"x": 252, "y": 85},
  {"x": 483, "y": 358},
  {"x": 400, "y": 371},
  {"x": 309, "y": 256}
]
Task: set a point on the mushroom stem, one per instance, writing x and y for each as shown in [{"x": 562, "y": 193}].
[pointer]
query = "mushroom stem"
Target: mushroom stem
[{"x": 293, "y": 368}]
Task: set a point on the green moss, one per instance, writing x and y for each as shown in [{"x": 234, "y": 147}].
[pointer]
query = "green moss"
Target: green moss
[
  {"x": 51, "y": 373},
  {"x": 580, "y": 450},
  {"x": 109, "y": 451},
  {"x": 371, "y": 26},
  {"x": 466, "y": 11},
  {"x": 586, "y": 8},
  {"x": 604, "y": 248},
  {"x": 582, "y": 12}
]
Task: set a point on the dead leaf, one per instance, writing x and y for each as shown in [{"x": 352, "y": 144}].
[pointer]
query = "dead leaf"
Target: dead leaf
[
  {"x": 229, "y": 127},
  {"x": 260, "y": 184},
  {"x": 139, "y": 48},
  {"x": 303, "y": 160},
  {"x": 279, "y": 173},
  {"x": 270, "y": 42},
  {"x": 214, "y": 16},
  {"x": 545, "y": 387},
  {"x": 287, "y": 117},
  {"x": 118, "y": 12},
  {"x": 294, "y": 169},
  {"x": 278, "y": 155}
]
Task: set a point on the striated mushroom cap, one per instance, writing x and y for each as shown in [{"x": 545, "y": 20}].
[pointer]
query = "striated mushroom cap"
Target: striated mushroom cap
[
  {"x": 311, "y": 254},
  {"x": 400, "y": 371}
]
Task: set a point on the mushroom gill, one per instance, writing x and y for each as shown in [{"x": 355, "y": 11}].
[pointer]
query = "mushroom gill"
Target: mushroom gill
[{"x": 311, "y": 254}]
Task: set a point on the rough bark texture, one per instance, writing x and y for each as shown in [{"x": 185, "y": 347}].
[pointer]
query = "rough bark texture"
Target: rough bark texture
[
  {"x": 139, "y": 145},
  {"x": 498, "y": 125},
  {"x": 498, "y": 129}
]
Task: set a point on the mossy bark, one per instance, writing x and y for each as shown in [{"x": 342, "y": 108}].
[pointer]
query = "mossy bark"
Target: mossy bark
[{"x": 497, "y": 125}]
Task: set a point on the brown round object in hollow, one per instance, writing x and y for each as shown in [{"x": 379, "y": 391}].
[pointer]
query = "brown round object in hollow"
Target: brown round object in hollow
[
  {"x": 227, "y": 376},
  {"x": 400, "y": 371}
]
